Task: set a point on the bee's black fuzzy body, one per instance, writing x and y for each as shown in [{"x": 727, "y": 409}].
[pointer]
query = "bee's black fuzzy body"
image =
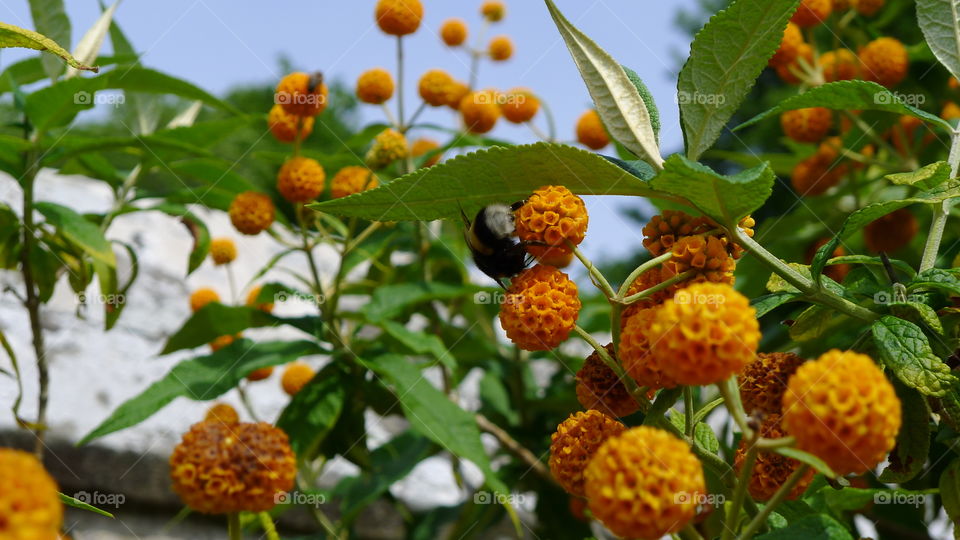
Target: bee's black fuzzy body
[{"x": 490, "y": 237}]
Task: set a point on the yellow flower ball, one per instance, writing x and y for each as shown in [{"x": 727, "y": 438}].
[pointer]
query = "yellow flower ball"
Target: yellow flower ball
[
  {"x": 30, "y": 507},
  {"x": 816, "y": 175},
  {"x": 301, "y": 94},
  {"x": 793, "y": 72},
  {"x": 457, "y": 91},
  {"x": 552, "y": 215},
  {"x": 222, "y": 412},
  {"x": 812, "y": 12},
  {"x": 251, "y": 212},
  {"x": 252, "y": 300},
  {"x": 771, "y": 470},
  {"x": 500, "y": 48},
  {"x": 375, "y": 86},
  {"x": 454, "y": 32},
  {"x": 867, "y": 7},
  {"x": 423, "y": 146},
  {"x": 576, "y": 441},
  {"x": 598, "y": 387},
  {"x": 644, "y": 483},
  {"x": 704, "y": 334},
  {"x": 437, "y": 87},
  {"x": 789, "y": 48},
  {"x": 763, "y": 382},
  {"x": 493, "y": 10},
  {"x": 842, "y": 409},
  {"x": 223, "y": 341},
  {"x": 295, "y": 377},
  {"x": 807, "y": 125},
  {"x": 223, "y": 251},
  {"x": 221, "y": 468},
  {"x": 260, "y": 374},
  {"x": 540, "y": 309},
  {"x": 202, "y": 297},
  {"x": 350, "y": 180},
  {"x": 399, "y": 17},
  {"x": 705, "y": 256},
  {"x": 885, "y": 61},
  {"x": 664, "y": 230},
  {"x": 301, "y": 179},
  {"x": 590, "y": 131},
  {"x": 480, "y": 111},
  {"x": 840, "y": 65},
  {"x": 283, "y": 125},
  {"x": 519, "y": 105},
  {"x": 635, "y": 353},
  {"x": 389, "y": 146},
  {"x": 891, "y": 232}
]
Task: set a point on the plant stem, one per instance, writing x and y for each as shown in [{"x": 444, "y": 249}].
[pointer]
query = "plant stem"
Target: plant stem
[
  {"x": 638, "y": 393},
  {"x": 813, "y": 293},
  {"x": 658, "y": 287},
  {"x": 688, "y": 411},
  {"x": 595, "y": 275},
  {"x": 416, "y": 114},
  {"x": 232, "y": 282},
  {"x": 400, "y": 116},
  {"x": 268, "y": 527},
  {"x": 777, "y": 498},
  {"x": 234, "y": 532},
  {"x": 731, "y": 395},
  {"x": 740, "y": 493},
  {"x": 690, "y": 533},
  {"x": 657, "y": 261},
  {"x": 551, "y": 122},
  {"x": 941, "y": 211},
  {"x": 771, "y": 444},
  {"x": 32, "y": 301},
  {"x": 515, "y": 448}
]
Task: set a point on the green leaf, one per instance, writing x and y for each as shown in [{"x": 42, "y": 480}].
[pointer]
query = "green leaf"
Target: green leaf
[
  {"x": 494, "y": 394},
  {"x": 50, "y": 19},
  {"x": 913, "y": 441},
  {"x": 940, "y": 22},
  {"x": 419, "y": 342},
  {"x": 88, "y": 48},
  {"x": 819, "y": 526},
  {"x": 14, "y": 36},
  {"x": 493, "y": 175},
  {"x": 811, "y": 323},
  {"x": 202, "y": 379},
  {"x": 45, "y": 266},
  {"x": 74, "y": 503},
  {"x": 950, "y": 490},
  {"x": 905, "y": 350},
  {"x": 726, "y": 58},
  {"x": 805, "y": 457},
  {"x": 704, "y": 436},
  {"x": 864, "y": 216},
  {"x": 198, "y": 230},
  {"x": 390, "y": 463},
  {"x": 390, "y": 300},
  {"x": 917, "y": 313},
  {"x": 726, "y": 199},
  {"x": 647, "y": 99},
  {"x": 433, "y": 415},
  {"x": 925, "y": 178},
  {"x": 618, "y": 101},
  {"x": 86, "y": 236},
  {"x": 215, "y": 320},
  {"x": 850, "y": 499},
  {"x": 936, "y": 279},
  {"x": 313, "y": 411},
  {"x": 848, "y": 96}
]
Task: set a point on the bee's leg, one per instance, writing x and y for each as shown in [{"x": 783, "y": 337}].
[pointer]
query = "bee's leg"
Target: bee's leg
[
  {"x": 517, "y": 205},
  {"x": 500, "y": 283},
  {"x": 534, "y": 243}
]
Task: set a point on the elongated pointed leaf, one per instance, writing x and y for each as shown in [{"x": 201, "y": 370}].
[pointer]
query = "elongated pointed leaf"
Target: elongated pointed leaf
[
  {"x": 725, "y": 60},
  {"x": 203, "y": 378},
  {"x": 50, "y": 19},
  {"x": 493, "y": 175},
  {"x": 88, "y": 49},
  {"x": 906, "y": 351},
  {"x": 214, "y": 320},
  {"x": 617, "y": 99},
  {"x": 75, "y": 503},
  {"x": 940, "y": 22},
  {"x": 848, "y": 96},
  {"x": 14, "y": 36},
  {"x": 313, "y": 411}
]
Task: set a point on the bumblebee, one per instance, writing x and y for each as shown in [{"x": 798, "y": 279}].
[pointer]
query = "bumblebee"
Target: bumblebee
[{"x": 490, "y": 237}]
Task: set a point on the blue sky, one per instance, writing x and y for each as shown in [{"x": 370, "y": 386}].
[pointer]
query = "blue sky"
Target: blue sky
[{"x": 220, "y": 43}]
